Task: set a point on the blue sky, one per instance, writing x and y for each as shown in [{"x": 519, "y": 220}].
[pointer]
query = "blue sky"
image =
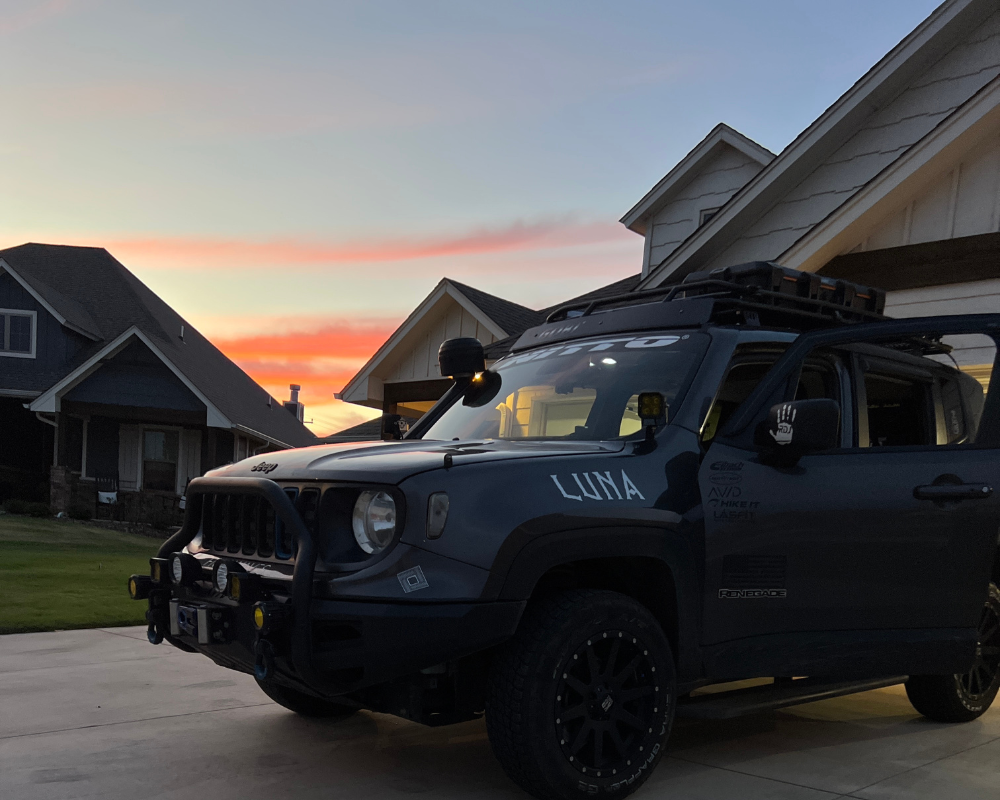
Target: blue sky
[{"x": 293, "y": 168}]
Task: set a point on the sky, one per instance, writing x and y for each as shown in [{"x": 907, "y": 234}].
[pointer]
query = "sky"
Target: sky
[{"x": 295, "y": 177}]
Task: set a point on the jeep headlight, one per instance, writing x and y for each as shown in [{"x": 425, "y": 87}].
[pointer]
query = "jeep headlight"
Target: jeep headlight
[{"x": 374, "y": 521}]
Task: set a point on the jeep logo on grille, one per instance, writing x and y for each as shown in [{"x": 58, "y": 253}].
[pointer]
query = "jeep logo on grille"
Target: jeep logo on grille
[{"x": 264, "y": 467}]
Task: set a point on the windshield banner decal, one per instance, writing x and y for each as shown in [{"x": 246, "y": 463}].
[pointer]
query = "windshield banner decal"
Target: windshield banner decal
[{"x": 593, "y": 346}]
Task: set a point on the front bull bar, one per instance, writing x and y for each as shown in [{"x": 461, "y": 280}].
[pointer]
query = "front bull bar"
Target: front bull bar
[{"x": 305, "y": 560}]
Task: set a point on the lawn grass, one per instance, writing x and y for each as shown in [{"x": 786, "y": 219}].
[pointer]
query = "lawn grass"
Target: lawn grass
[{"x": 56, "y": 575}]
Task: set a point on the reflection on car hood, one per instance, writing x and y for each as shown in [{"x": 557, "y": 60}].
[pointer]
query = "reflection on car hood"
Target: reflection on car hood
[{"x": 391, "y": 462}]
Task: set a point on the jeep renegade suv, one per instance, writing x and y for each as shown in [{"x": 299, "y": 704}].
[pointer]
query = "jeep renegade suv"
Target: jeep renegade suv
[{"x": 751, "y": 474}]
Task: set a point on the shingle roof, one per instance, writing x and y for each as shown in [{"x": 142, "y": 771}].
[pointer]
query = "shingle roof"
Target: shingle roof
[
  {"x": 100, "y": 296},
  {"x": 513, "y": 318},
  {"x": 365, "y": 432}
]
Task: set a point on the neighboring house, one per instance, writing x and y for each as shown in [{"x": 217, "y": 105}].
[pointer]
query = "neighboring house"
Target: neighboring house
[
  {"x": 100, "y": 378},
  {"x": 365, "y": 432},
  {"x": 896, "y": 185},
  {"x": 403, "y": 376}
]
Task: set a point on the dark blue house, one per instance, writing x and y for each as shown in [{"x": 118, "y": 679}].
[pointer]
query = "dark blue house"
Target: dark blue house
[{"x": 99, "y": 378}]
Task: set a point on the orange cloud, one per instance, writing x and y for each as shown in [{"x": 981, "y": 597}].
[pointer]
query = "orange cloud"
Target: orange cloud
[
  {"x": 184, "y": 252},
  {"x": 339, "y": 341}
]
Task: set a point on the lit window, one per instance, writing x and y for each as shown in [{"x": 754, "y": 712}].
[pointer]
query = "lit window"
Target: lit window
[{"x": 17, "y": 333}]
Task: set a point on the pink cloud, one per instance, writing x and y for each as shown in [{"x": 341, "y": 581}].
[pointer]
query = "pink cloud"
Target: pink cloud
[{"x": 190, "y": 252}]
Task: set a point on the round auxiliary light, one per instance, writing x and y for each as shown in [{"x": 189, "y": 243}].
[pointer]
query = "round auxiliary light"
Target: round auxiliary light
[
  {"x": 177, "y": 568},
  {"x": 374, "y": 521},
  {"x": 258, "y": 618},
  {"x": 235, "y": 588},
  {"x": 220, "y": 580}
]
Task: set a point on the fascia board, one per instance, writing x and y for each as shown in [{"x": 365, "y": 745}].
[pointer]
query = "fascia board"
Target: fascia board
[
  {"x": 855, "y": 104},
  {"x": 354, "y": 385},
  {"x": 677, "y": 177},
  {"x": 820, "y": 244},
  {"x": 263, "y": 436},
  {"x": 44, "y": 303},
  {"x": 50, "y": 400},
  {"x": 456, "y": 294}
]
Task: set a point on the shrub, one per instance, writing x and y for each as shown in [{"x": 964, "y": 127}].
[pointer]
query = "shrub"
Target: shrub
[
  {"x": 15, "y": 506},
  {"x": 80, "y": 512}
]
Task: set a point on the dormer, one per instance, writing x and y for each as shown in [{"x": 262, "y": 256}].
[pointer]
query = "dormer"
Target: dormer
[{"x": 693, "y": 191}]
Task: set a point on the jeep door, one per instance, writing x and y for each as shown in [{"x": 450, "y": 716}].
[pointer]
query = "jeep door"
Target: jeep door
[{"x": 877, "y": 553}]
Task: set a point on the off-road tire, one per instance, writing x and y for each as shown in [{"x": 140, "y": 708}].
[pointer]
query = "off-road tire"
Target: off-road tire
[
  {"x": 963, "y": 698},
  {"x": 305, "y": 705},
  {"x": 571, "y": 653}
]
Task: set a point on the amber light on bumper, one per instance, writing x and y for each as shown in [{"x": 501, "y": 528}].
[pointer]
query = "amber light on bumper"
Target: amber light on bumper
[
  {"x": 139, "y": 587},
  {"x": 268, "y": 617}
]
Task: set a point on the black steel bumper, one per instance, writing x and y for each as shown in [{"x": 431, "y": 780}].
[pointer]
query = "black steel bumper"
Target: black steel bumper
[{"x": 327, "y": 647}]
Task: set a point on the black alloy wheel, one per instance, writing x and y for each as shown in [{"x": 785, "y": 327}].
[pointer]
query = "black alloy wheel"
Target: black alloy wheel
[
  {"x": 963, "y": 698},
  {"x": 982, "y": 678},
  {"x": 581, "y": 701},
  {"x": 607, "y": 704}
]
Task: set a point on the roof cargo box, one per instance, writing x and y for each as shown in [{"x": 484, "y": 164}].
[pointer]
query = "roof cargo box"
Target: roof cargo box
[{"x": 769, "y": 277}]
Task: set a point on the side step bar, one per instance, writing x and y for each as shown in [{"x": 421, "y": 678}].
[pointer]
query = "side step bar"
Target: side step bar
[{"x": 780, "y": 694}]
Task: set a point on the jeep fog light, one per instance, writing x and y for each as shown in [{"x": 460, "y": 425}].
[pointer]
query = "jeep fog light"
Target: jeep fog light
[
  {"x": 185, "y": 569},
  {"x": 221, "y": 577},
  {"x": 437, "y": 514},
  {"x": 374, "y": 521},
  {"x": 139, "y": 587}
]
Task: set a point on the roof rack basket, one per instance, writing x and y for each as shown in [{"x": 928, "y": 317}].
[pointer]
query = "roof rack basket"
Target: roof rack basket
[{"x": 760, "y": 292}]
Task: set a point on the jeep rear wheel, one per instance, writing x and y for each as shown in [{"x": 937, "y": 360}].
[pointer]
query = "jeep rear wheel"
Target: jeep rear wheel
[
  {"x": 963, "y": 698},
  {"x": 582, "y": 699},
  {"x": 305, "y": 705}
]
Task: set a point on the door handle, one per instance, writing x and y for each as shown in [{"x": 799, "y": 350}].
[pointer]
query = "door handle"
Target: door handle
[{"x": 953, "y": 491}]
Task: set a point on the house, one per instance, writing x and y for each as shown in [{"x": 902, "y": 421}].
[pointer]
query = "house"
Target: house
[
  {"x": 99, "y": 378},
  {"x": 896, "y": 185}
]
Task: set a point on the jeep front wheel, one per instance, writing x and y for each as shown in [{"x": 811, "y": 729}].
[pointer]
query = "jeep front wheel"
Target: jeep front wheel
[
  {"x": 581, "y": 700},
  {"x": 963, "y": 698},
  {"x": 305, "y": 705}
]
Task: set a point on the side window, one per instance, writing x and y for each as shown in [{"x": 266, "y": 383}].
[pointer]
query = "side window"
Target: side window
[
  {"x": 900, "y": 410},
  {"x": 818, "y": 379},
  {"x": 908, "y": 398}
]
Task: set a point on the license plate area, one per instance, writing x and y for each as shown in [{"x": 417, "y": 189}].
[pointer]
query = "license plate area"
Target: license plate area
[{"x": 206, "y": 624}]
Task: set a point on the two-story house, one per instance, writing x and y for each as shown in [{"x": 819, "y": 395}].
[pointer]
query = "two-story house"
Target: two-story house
[{"x": 99, "y": 378}]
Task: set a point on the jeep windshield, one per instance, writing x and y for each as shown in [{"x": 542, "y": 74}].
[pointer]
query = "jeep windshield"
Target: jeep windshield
[{"x": 583, "y": 390}]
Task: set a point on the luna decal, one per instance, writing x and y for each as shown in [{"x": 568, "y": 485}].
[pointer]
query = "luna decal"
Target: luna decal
[{"x": 592, "y": 491}]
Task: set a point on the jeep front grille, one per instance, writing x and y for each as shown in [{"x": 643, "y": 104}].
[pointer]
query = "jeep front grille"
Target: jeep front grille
[{"x": 247, "y": 525}]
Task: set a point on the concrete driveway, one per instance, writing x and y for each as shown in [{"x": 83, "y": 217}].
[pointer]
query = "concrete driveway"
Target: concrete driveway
[{"x": 102, "y": 713}]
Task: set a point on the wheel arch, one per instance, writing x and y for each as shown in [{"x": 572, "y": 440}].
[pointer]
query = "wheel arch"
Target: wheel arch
[{"x": 647, "y": 564}]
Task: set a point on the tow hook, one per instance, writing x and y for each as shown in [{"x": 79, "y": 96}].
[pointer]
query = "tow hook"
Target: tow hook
[
  {"x": 263, "y": 664},
  {"x": 154, "y": 634}
]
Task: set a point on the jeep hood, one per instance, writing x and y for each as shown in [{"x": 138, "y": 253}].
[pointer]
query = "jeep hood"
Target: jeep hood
[{"x": 392, "y": 462}]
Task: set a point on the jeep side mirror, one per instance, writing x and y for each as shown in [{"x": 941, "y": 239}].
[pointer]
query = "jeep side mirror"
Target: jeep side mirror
[
  {"x": 393, "y": 427},
  {"x": 461, "y": 358},
  {"x": 795, "y": 429}
]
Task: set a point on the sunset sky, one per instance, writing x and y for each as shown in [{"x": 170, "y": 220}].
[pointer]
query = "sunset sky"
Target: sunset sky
[{"x": 295, "y": 177}]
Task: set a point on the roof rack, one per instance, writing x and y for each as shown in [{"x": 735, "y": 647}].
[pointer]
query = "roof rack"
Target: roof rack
[{"x": 757, "y": 293}]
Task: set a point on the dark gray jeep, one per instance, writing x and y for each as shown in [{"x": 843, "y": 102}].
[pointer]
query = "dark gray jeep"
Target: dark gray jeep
[{"x": 751, "y": 474}]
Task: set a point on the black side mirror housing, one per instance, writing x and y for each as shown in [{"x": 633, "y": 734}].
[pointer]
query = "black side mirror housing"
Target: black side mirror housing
[
  {"x": 393, "y": 427},
  {"x": 795, "y": 429},
  {"x": 461, "y": 358}
]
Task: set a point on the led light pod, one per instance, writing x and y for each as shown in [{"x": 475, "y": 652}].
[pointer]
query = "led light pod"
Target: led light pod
[
  {"x": 139, "y": 586},
  {"x": 185, "y": 569}
]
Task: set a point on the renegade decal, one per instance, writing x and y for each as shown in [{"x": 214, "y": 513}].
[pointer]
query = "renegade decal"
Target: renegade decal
[
  {"x": 605, "y": 482},
  {"x": 749, "y": 594},
  {"x": 786, "y": 416}
]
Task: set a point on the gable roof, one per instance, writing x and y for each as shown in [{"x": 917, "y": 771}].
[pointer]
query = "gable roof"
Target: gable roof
[
  {"x": 719, "y": 137},
  {"x": 946, "y": 26},
  {"x": 509, "y": 316},
  {"x": 95, "y": 289}
]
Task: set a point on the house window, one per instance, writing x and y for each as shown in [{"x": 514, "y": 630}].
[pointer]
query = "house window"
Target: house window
[
  {"x": 707, "y": 214},
  {"x": 17, "y": 333},
  {"x": 159, "y": 460}
]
